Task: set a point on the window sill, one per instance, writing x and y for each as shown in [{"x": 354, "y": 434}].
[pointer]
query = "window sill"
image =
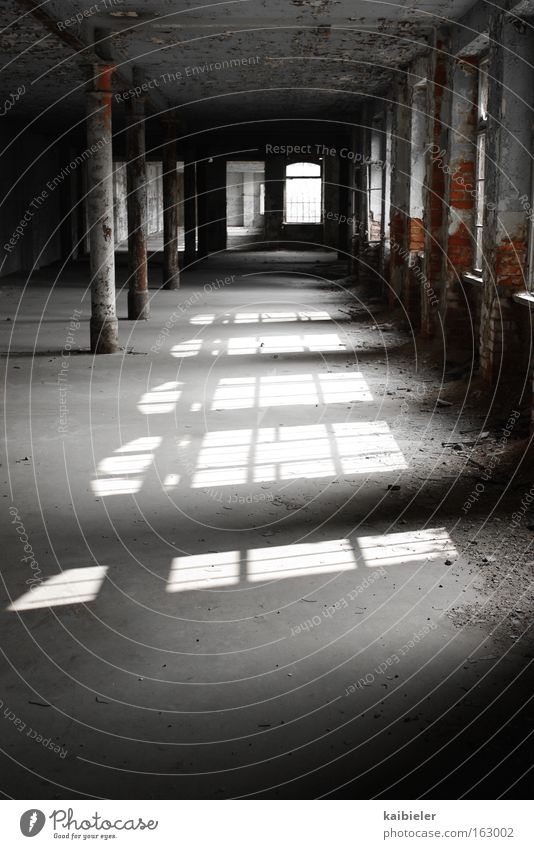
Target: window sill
[
  {"x": 526, "y": 299},
  {"x": 473, "y": 278}
]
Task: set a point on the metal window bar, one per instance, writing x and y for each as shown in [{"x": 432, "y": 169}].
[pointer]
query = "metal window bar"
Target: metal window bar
[
  {"x": 303, "y": 200},
  {"x": 300, "y": 210},
  {"x": 481, "y": 162}
]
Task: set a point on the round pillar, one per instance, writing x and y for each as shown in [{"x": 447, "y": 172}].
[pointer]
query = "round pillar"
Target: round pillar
[{"x": 104, "y": 325}]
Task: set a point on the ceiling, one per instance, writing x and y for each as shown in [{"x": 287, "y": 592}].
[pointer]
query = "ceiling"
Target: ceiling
[{"x": 303, "y": 58}]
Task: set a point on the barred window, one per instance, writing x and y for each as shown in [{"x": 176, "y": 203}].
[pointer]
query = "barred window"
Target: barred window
[
  {"x": 481, "y": 159},
  {"x": 303, "y": 196}
]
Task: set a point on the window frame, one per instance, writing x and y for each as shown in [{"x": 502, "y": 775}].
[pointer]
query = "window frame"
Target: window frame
[
  {"x": 529, "y": 276},
  {"x": 316, "y": 177},
  {"x": 480, "y": 163},
  {"x": 375, "y": 147}
]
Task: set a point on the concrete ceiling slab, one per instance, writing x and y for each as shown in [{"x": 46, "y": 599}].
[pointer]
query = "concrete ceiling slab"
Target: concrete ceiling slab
[{"x": 232, "y": 60}]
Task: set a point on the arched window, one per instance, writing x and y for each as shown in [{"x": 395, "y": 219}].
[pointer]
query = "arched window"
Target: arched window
[{"x": 303, "y": 193}]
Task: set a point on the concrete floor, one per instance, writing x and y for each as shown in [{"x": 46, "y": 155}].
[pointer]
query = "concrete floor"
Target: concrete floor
[{"x": 238, "y": 503}]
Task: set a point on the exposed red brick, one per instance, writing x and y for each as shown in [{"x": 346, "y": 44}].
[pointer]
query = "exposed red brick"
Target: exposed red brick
[
  {"x": 510, "y": 256},
  {"x": 460, "y": 249},
  {"x": 416, "y": 239}
]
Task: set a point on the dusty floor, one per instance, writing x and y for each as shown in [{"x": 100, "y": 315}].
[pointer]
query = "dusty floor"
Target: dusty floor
[{"x": 273, "y": 585}]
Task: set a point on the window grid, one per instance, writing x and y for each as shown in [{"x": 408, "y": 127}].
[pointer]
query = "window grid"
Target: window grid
[
  {"x": 480, "y": 179},
  {"x": 303, "y": 195},
  {"x": 375, "y": 178}
]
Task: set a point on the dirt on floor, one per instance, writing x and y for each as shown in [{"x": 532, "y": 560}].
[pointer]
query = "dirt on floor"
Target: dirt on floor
[{"x": 480, "y": 474}]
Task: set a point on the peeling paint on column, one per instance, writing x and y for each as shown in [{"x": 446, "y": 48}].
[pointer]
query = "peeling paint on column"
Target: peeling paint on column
[
  {"x": 104, "y": 324},
  {"x": 416, "y": 234},
  {"x": 461, "y": 305}
]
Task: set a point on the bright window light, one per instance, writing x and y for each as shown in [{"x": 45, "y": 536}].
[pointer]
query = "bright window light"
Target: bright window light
[
  {"x": 125, "y": 464},
  {"x": 226, "y": 569},
  {"x": 288, "y": 390},
  {"x": 190, "y": 348},
  {"x": 161, "y": 399},
  {"x": 144, "y": 443},
  {"x": 285, "y": 453},
  {"x": 235, "y": 393},
  {"x": 303, "y": 193},
  {"x": 281, "y": 317},
  {"x": 116, "y": 486},
  {"x": 125, "y": 461},
  {"x": 300, "y": 315},
  {"x": 324, "y": 342},
  {"x": 297, "y": 561},
  {"x": 407, "y": 547},
  {"x": 217, "y": 570},
  {"x": 171, "y": 481},
  {"x": 204, "y": 571},
  {"x": 73, "y": 586},
  {"x": 254, "y": 345},
  {"x": 342, "y": 388},
  {"x": 246, "y": 318},
  {"x": 202, "y": 319},
  {"x": 365, "y": 448},
  {"x": 286, "y": 344}
]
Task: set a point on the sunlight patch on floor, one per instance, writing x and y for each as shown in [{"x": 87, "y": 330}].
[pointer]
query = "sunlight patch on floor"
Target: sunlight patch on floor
[
  {"x": 273, "y": 563},
  {"x": 274, "y": 316},
  {"x": 133, "y": 458},
  {"x": 161, "y": 399},
  {"x": 226, "y": 569},
  {"x": 189, "y": 348},
  {"x": 286, "y": 344},
  {"x": 204, "y": 571},
  {"x": 283, "y": 453},
  {"x": 240, "y": 393},
  {"x": 407, "y": 547},
  {"x": 73, "y": 586}
]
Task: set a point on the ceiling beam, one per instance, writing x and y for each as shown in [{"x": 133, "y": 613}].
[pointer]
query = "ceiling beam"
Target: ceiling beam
[{"x": 88, "y": 53}]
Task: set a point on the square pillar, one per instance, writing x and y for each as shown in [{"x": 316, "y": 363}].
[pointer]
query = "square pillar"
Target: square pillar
[
  {"x": 345, "y": 176},
  {"x": 275, "y": 175},
  {"x": 211, "y": 185},
  {"x": 358, "y": 178},
  {"x": 331, "y": 200}
]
